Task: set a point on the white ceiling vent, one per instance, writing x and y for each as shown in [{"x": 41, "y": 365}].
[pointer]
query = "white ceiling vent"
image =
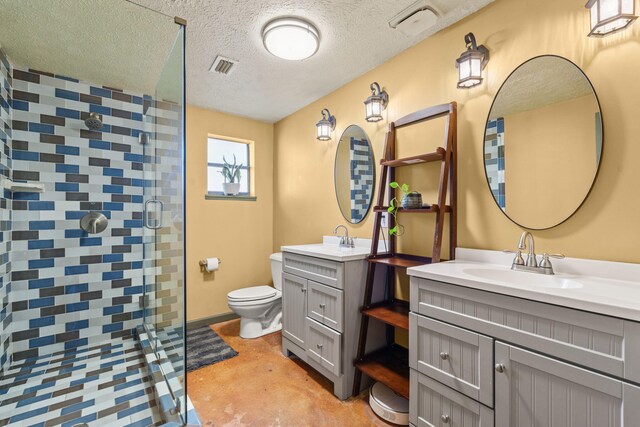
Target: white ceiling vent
[
  {"x": 223, "y": 65},
  {"x": 415, "y": 19}
]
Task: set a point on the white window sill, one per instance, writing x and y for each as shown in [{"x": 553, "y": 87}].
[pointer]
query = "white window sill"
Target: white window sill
[{"x": 241, "y": 198}]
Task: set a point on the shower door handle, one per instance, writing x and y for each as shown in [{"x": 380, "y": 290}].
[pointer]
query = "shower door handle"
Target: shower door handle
[{"x": 147, "y": 214}]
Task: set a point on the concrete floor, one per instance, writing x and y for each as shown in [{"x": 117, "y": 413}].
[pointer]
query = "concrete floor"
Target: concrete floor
[{"x": 261, "y": 387}]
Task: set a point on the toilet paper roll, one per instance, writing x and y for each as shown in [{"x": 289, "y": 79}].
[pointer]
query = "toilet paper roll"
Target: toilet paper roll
[{"x": 212, "y": 264}]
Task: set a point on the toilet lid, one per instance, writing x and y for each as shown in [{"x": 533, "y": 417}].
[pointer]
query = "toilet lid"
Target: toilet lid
[{"x": 253, "y": 293}]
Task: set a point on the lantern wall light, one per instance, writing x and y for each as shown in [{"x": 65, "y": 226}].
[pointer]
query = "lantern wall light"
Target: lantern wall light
[
  {"x": 609, "y": 16},
  {"x": 471, "y": 63},
  {"x": 325, "y": 126},
  {"x": 376, "y": 103}
]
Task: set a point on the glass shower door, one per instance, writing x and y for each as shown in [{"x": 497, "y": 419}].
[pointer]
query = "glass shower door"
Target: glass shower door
[{"x": 163, "y": 219}]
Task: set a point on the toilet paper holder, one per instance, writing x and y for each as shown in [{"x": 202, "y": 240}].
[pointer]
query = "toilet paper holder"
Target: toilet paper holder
[{"x": 203, "y": 263}]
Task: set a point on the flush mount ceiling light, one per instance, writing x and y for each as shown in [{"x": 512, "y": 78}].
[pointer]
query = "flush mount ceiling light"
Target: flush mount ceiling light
[
  {"x": 376, "y": 103},
  {"x": 291, "y": 38},
  {"x": 471, "y": 63},
  {"x": 325, "y": 125},
  {"x": 609, "y": 16}
]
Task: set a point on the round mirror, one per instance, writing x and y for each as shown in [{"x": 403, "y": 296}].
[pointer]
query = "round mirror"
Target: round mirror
[
  {"x": 543, "y": 142},
  {"x": 353, "y": 174}
]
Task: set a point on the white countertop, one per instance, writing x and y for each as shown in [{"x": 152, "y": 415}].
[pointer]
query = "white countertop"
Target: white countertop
[
  {"x": 603, "y": 287},
  {"x": 330, "y": 249}
]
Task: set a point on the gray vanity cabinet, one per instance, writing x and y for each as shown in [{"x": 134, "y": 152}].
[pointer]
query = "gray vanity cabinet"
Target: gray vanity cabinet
[
  {"x": 482, "y": 355},
  {"x": 535, "y": 390},
  {"x": 321, "y": 318}
]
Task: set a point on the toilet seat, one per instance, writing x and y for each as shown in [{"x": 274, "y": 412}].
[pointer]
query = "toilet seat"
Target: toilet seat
[{"x": 254, "y": 293}]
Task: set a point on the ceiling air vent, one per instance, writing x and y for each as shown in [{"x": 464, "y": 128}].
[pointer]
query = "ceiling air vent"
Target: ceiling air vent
[
  {"x": 415, "y": 19},
  {"x": 223, "y": 65}
]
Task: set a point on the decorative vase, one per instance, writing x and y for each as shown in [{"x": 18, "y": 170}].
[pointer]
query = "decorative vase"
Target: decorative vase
[
  {"x": 412, "y": 200},
  {"x": 231, "y": 188}
]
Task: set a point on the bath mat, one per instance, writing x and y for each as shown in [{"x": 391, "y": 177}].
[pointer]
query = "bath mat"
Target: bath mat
[{"x": 205, "y": 347}]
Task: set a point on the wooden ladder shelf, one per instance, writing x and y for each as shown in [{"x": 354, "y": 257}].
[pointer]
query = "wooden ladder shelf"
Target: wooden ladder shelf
[{"x": 389, "y": 365}]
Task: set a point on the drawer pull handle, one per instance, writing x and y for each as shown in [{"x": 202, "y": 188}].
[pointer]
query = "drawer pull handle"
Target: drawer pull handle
[
  {"x": 500, "y": 367},
  {"x": 322, "y": 306},
  {"x": 444, "y": 418},
  {"x": 444, "y": 355},
  {"x": 319, "y": 345},
  {"x": 303, "y": 289}
]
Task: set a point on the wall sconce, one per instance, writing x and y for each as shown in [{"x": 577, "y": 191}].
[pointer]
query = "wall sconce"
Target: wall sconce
[
  {"x": 609, "y": 16},
  {"x": 376, "y": 103},
  {"x": 325, "y": 126},
  {"x": 471, "y": 63}
]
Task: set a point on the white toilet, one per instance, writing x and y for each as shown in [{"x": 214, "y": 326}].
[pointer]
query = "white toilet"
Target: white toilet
[{"x": 260, "y": 307}]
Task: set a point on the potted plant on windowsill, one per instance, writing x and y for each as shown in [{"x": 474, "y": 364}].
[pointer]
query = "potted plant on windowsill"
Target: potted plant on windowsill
[{"x": 231, "y": 174}]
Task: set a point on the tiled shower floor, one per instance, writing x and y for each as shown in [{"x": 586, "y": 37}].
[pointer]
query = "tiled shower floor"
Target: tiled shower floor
[{"x": 106, "y": 385}]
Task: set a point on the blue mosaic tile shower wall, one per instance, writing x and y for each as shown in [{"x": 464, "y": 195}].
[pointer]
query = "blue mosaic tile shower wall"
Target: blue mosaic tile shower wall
[
  {"x": 494, "y": 159},
  {"x": 70, "y": 288},
  {"x": 5, "y": 210},
  {"x": 361, "y": 179}
]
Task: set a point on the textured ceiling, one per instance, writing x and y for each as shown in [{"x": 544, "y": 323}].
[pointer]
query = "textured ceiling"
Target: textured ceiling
[
  {"x": 539, "y": 82},
  {"x": 354, "y": 38},
  {"x": 113, "y": 43},
  {"x": 120, "y": 44}
]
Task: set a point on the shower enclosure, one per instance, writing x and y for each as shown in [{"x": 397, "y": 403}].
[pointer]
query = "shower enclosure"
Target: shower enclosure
[{"x": 91, "y": 215}]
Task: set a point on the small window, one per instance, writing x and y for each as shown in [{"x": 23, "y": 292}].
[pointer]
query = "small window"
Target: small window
[{"x": 220, "y": 149}]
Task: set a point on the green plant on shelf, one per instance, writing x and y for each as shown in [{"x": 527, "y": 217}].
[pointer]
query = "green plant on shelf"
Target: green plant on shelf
[
  {"x": 394, "y": 205},
  {"x": 231, "y": 172}
]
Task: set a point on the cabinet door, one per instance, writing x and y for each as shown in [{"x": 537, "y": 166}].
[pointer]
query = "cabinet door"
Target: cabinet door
[
  {"x": 323, "y": 346},
  {"x": 537, "y": 391},
  {"x": 294, "y": 308},
  {"x": 324, "y": 304}
]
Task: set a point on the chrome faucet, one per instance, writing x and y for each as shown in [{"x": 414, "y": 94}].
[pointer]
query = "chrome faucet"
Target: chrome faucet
[
  {"x": 345, "y": 241},
  {"x": 531, "y": 265}
]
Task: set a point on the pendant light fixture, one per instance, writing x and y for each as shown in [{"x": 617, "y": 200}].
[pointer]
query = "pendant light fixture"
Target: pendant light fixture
[
  {"x": 376, "y": 103},
  {"x": 325, "y": 126},
  {"x": 609, "y": 16},
  {"x": 471, "y": 63},
  {"x": 291, "y": 38}
]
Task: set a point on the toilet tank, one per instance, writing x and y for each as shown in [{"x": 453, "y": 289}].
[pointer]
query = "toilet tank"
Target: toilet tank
[{"x": 276, "y": 269}]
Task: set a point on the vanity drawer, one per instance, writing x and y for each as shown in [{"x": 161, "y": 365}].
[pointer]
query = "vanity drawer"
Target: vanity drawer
[
  {"x": 434, "y": 405},
  {"x": 324, "y": 304},
  {"x": 599, "y": 342},
  {"x": 316, "y": 269},
  {"x": 323, "y": 346},
  {"x": 460, "y": 359}
]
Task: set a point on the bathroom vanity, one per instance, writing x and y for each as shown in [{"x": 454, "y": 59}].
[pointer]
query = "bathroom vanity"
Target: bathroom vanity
[
  {"x": 322, "y": 288},
  {"x": 490, "y": 346}
]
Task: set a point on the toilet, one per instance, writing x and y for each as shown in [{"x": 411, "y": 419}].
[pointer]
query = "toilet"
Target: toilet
[{"x": 260, "y": 307}]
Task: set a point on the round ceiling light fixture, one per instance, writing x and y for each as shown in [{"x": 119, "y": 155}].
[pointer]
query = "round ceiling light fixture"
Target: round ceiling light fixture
[{"x": 293, "y": 39}]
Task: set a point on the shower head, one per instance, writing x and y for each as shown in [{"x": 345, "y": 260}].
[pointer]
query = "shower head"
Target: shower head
[{"x": 94, "y": 121}]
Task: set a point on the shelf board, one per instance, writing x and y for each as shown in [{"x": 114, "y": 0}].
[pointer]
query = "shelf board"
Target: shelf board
[
  {"x": 395, "y": 313},
  {"x": 399, "y": 260},
  {"x": 390, "y": 366},
  {"x": 435, "y": 156},
  {"x": 424, "y": 209}
]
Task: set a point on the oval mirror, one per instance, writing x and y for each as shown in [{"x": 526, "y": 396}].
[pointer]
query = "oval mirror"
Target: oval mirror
[
  {"x": 354, "y": 174},
  {"x": 543, "y": 142}
]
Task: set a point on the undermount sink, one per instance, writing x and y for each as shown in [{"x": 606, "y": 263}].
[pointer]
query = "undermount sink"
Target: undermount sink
[{"x": 520, "y": 278}]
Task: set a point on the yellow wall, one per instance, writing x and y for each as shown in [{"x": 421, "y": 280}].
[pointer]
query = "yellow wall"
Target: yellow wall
[
  {"x": 240, "y": 233},
  {"x": 606, "y": 227},
  {"x": 550, "y": 160}
]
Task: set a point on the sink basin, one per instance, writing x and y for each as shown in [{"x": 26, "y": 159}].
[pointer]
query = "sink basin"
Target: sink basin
[{"x": 525, "y": 279}]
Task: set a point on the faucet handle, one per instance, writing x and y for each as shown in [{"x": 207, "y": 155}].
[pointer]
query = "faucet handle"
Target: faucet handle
[
  {"x": 546, "y": 263},
  {"x": 557, "y": 256},
  {"x": 518, "y": 260}
]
